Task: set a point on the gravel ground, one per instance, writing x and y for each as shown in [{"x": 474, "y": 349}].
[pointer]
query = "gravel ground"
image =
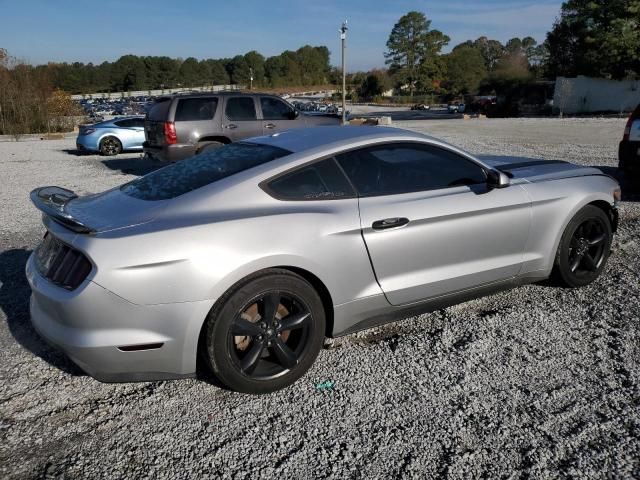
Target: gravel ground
[{"x": 536, "y": 382}]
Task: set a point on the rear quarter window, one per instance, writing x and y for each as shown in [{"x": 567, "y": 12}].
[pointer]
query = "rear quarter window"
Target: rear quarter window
[
  {"x": 203, "y": 169},
  {"x": 159, "y": 111},
  {"x": 321, "y": 180}
]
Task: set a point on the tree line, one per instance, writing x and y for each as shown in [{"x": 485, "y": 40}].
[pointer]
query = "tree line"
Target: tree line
[
  {"x": 599, "y": 38},
  {"x": 308, "y": 65}
]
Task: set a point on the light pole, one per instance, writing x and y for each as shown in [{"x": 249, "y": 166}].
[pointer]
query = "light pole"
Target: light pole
[
  {"x": 250, "y": 78},
  {"x": 343, "y": 38}
]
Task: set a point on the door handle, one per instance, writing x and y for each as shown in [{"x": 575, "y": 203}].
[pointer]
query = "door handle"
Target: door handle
[
  {"x": 231, "y": 126},
  {"x": 390, "y": 223},
  {"x": 270, "y": 125}
]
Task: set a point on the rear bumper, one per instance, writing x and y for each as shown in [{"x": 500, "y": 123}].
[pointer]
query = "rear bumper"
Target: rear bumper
[
  {"x": 86, "y": 143},
  {"x": 169, "y": 153},
  {"x": 93, "y": 325},
  {"x": 629, "y": 156}
]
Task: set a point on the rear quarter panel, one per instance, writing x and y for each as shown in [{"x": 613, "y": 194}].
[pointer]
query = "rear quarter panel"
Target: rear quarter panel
[{"x": 199, "y": 255}]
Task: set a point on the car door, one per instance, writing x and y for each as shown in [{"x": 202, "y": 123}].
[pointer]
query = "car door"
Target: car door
[
  {"x": 431, "y": 224},
  {"x": 137, "y": 135},
  {"x": 241, "y": 119},
  {"x": 278, "y": 115},
  {"x": 130, "y": 132}
]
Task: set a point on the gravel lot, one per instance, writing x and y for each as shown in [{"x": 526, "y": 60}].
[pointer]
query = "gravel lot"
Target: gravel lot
[{"x": 537, "y": 382}]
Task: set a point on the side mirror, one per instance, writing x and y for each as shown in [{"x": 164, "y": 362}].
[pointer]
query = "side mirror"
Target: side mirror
[
  {"x": 293, "y": 114},
  {"x": 497, "y": 179}
]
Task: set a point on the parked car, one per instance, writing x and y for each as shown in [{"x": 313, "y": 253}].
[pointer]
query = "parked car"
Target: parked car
[
  {"x": 252, "y": 253},
  {"x": 420, "y": 106},
  {"x": 629, "y": 149},
  {"x": 179, "y": 126},
  {"x": 457, "y": 108},
  {"x": 111, "y": 137}
]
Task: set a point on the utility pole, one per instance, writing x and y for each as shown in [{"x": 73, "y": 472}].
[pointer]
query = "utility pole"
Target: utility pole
[
  {"x": 343, "y": 38},
  {"x": 250, "y": 78}
]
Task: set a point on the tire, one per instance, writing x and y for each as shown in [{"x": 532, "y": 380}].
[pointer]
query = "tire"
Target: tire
[
  {"x": 244, "y": 349},
  {"x": 110, "y": 146},
  {"x": 584, "y": 248},
  {"x": 203, "y": 147}
]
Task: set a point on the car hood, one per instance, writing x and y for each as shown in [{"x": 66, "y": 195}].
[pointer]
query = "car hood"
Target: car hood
[
  {"x": 535, "y": 170},
  {"x": 101, "y": 212}
]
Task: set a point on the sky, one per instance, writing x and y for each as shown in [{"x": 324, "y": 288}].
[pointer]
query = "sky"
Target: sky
[{"x": 38, "y": 31}]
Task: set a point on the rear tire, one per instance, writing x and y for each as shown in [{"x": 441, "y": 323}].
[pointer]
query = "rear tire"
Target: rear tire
[
  {"x": 265, "y": 332},
  {"x": 110, "y": 146},
  {"x": 584, "y": 248}
]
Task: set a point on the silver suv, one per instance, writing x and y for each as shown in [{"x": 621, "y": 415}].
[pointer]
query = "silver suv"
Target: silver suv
[{"x": 179, "y": 126}]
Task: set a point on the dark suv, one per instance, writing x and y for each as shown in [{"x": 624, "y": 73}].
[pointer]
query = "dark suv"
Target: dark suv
[
  {"x": 180, "y": 126},
  {"x": 629, "y": 151}
]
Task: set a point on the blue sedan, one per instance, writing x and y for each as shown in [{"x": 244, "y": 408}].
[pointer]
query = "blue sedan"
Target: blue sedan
[{"x": 112, "y": 136}]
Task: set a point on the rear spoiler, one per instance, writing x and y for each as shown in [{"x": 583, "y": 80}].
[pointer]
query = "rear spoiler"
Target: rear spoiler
[{"x": 51, "y": 202}]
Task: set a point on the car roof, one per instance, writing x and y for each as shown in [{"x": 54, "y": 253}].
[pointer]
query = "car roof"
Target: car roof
[{"x": 302, "y": 139}]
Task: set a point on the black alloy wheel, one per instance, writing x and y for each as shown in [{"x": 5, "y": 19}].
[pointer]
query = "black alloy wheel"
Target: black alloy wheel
[
  {"x": 269, "y": 334},
  {"x": 584, "y": 248},
  {"x": 110, "y": 146},
  {"x": 265, "y": 332}
]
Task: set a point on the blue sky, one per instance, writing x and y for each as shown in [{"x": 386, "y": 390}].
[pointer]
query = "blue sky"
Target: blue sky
[{"x": 94, "y": 31}]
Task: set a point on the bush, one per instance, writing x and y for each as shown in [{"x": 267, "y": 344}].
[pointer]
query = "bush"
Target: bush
[{"x": 28, "y": 104}]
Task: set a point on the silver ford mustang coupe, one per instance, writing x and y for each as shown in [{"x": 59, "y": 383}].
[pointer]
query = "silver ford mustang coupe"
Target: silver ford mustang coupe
[{"x": 246, "y": 257}]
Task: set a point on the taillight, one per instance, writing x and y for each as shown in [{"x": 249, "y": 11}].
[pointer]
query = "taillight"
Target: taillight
[
  {"x": 87, "y": 131},
  {"x": 627, "y": 128},
  {"x": 170, "y": 133}
]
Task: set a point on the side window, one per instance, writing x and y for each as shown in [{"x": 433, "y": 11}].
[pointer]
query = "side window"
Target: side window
[
  {"x": 401, "y": 168},
  {"x": 241, "y": 108},
  {"x": 319, "y": 181},
  {"x": 124, "y": 123},
  {"x": 274, "y": 109},
  {"x": 193, "y": 109},
  {"x": 137, "y": 122}
]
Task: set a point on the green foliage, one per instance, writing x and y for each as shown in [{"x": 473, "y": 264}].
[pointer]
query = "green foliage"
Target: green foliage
[
  {"x": 491, "y": 50},
  {"x": 307, "y": 66},
  {"x": 374, "y": 84},
  {"x": 465, "y": 70},
  {"x": 413, "y": 52},
  {"x": 596, "y": 38}
]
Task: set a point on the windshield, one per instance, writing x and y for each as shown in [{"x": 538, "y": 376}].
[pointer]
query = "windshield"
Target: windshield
[{"x": 203, "y": 169}]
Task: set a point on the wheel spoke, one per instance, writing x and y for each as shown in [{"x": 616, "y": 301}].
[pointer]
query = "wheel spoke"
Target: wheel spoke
[
  {"x": 250, "y": 360},
  {"x": 270, "y": 304},
  {"x": 598, "y": 239},
  {"x": 283, "y": 353},
  {"x": 589, "y": 262},
  {"x": 576, "y": 262},
  {"x": 293, "y": 322},
  {"x": 242, "y": 327}
]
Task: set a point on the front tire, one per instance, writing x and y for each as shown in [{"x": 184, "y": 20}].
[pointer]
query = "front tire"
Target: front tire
[
  {"x": 265, "y": 332},
  {"x": 110, "y": 146},
  {"x": 584, "y": 248}
]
